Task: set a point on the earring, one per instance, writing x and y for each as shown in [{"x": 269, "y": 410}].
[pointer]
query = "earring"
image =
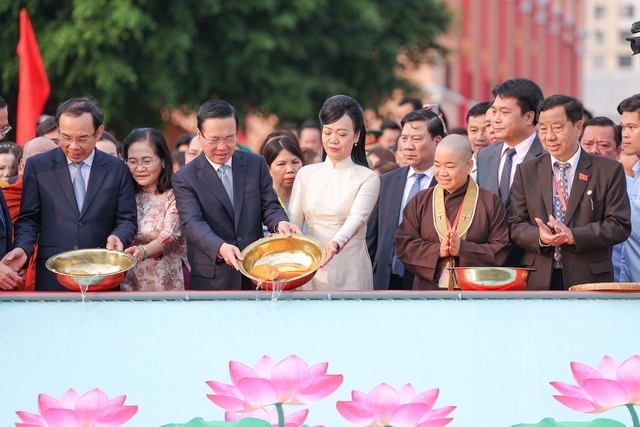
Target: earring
[{"x": 355, "y": 145}]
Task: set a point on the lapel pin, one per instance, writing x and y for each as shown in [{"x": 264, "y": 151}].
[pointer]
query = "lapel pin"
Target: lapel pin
[
  {"x": 583, "y": 177},
  {"x": 589, "y": 192}
]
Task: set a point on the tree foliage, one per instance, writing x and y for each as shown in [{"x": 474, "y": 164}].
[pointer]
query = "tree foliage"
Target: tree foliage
[{"x": 275, "y": 56}]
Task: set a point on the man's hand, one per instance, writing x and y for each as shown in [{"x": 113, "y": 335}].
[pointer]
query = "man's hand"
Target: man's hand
[
  {"x": 15, "y": 259},
  {"x": 332, "y": 248},
  {"x": 286, "y": 228},
  {"x": 561, "y": 228},
  {"x": 445, "y": 247},
  {"x": 113, "y": 242},
  {"x": 9, "y": 279},
  {"x": 547, "y": 237},
  {"x": 454, "y": 242},
  {"x": 231, "y": 254}
]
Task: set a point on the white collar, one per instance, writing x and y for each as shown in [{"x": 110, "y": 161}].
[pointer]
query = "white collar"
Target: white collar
[{"x": 88, "y": 161}]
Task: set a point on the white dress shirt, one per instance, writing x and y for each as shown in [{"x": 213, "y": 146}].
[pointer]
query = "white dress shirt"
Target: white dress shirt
[
  {"x": 411, "y": 179},
  {"x": 86, "y": 168}
]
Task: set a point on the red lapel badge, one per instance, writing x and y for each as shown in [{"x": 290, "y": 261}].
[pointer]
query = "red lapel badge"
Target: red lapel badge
[{"x": 583, "y": 177}]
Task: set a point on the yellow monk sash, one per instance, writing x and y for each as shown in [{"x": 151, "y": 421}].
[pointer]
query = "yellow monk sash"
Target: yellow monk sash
[
  {"x": 469, "y": 205},
  {"x": 466, "y": 217}
]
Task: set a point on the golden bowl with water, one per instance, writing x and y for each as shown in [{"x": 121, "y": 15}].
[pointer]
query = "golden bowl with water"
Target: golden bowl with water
[
  {"x": 93, "y": 270},
  {"x": 492, "y": 278},
  {"x": 295, "y": 258}
]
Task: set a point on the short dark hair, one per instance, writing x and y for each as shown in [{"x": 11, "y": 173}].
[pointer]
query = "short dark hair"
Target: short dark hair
[
  {"x": 3, "y": 103},
  {"x": 216, "y": 109},
  {"x": 48, "y": 125},
  {"x": 630, "y": 104},
  {"x": 76, "y": 107},
  {"x": 602, "y": 121},
  {"x": 389, "y": 124},
  {"x": 415, "y": 102},
  {"x": 572, "y": 106},
  {"x": 310, "y": 124},
  {"x": 527, "y": 94},
  {"x": 480, "y": 109},
  {"x": 333, "y": 110},
  {"x": 160, "y": 148},
  {"x": 106, "y": 136},
  {"x": 184, "y": 139},
  {"x": 274, "y": 144},
  {"x": 16, "y": 150},
  {"x": 434, "y": 124}
]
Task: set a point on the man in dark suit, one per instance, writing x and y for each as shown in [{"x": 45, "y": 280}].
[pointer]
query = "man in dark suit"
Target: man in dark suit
[
  {"x": 223, "y": 197},
  {"x": 73, "y": 197},
  {"x": 422, "y": 130},
  {"x": 9, "y": 277},
  {"x": 569, "y": 207},
  {"x": 515, "y": 115}
]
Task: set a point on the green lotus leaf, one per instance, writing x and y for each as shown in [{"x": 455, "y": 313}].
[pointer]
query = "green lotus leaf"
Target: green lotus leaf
[{"x": 199, "y": 422}]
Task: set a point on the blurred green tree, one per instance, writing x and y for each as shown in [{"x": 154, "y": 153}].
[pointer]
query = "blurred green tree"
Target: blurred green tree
[{"x": 272, "y": 56}]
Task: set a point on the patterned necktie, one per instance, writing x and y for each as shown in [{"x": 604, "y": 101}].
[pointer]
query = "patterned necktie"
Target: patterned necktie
[
  {"x": 558, "y": 208},
  {"x": 78, "y": 185},
  {"x": 226, "y": 181},
  {"x": 397, "y": 265},
  {"x": 505, "y": 180}
]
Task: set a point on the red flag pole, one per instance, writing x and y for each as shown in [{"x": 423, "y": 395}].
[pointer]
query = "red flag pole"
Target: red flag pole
[{"x": 33, "y": 84}]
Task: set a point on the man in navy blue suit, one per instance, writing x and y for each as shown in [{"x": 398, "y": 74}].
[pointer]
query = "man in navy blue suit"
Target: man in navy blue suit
[
  {"x": 74, "y": 197},
  {"x": 422, "y": 130},
  {"x": 223, "y": 197}
]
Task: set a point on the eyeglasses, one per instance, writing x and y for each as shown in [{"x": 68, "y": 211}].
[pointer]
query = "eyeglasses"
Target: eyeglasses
[
  {"x": 228, "y": 141},
  {"x": 5, "y": 130},
  {"x": 66, "y": 139},
  {"x": 146, "y": 163}
]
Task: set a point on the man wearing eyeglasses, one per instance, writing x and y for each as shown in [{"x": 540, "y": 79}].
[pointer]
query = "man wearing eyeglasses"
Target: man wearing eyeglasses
[
  {"x": 223, "y": 197},
  {"x": 74, "y": 197}
]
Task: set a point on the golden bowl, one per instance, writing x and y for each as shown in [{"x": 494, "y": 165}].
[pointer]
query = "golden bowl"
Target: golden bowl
[
  {"x": 492, "y": 278},
  {"x": 287, "y": 254},
  {"x": 106, "y": 269}
]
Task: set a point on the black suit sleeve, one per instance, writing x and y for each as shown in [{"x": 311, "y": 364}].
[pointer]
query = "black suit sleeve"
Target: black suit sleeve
[{"x": 126, "y": 211}]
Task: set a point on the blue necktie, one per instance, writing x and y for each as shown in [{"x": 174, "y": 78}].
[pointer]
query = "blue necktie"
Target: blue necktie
[
  {"x": 397, "y": 265},
  {"x": 78, "y": 185},
  {"x": 505, "y": 180},
  {"x": 226, "y": 181},
  {"x": 558, "y": 209}
]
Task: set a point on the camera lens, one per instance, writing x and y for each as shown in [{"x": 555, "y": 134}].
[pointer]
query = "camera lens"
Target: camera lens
[{"x": 635, "y": 44}]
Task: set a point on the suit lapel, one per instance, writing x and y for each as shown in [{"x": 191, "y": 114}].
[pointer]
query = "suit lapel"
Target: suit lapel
[
  {"x": 535, "y": 150},
  {"x": 397, "y": 190},
  {"x": 239, "y": 171},
  {"x": 61, "y": 172},
  {"x": 211, "y": 180},
  {"x": 545, "y": 178},
  {"x": 96, "y": 177},
  {"x": 578, "y": 186}
]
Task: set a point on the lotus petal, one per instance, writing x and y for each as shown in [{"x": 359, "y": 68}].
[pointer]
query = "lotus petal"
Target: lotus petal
[
  {"x": 582, "y": 372},
  {"x": 580, "y": 405},
  {"x": 229, "y": 403},
  {"x": 116, "y": 417},
  {"x": 356, "y": 412},
  {"x": 28, "y": 417},
  {"x": 384, "y": 399},
  {"x": 46, "y": 402},
  {"x": 69, "y": 399},
  {"x": 440, "y": 412},
  {"x": 606, "y": 392},
  {"x": 238, "y": 370},
  {"x": 258, "y": 391},
  {"x": 319, "y": 369},
  {"x": 61, "y": 418},
  {"x": 436, "y": 423},
  {"x": 608, "y": 367},
  {"x": 264, "y": 366},
  {"x": 408, "y": 415},
  {"x": 316, "y": 389},
  {"x": 429, "y": 397},
  {"x": 407, "y": 394},
  {"x": 288, "y": 375},
  {"x": 570, "y": 390},
  {"x": 628, "y": 376}
]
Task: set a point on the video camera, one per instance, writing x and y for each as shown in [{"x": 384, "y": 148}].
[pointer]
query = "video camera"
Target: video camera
[{"x": 635, "y": 39}]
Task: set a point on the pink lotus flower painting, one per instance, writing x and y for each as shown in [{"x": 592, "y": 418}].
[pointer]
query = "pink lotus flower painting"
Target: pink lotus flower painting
[
  {"x": 608, "y": 386},
  {"x": 92, "y": 409},
  {"x": 384, "y": 406},
  {"x": 289, "y": 382}
]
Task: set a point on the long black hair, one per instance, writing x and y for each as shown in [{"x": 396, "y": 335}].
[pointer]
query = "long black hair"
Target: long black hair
[
  {"x": 333, "y": 110},
  {"x": 155, "y": 138}
]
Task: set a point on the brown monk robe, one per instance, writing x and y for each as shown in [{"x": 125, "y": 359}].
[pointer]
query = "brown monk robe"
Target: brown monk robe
[{"x": 478, "y": 238}]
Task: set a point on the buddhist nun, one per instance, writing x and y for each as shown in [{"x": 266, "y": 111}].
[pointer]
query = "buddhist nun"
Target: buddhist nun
[{"x": 454, "y": 224}]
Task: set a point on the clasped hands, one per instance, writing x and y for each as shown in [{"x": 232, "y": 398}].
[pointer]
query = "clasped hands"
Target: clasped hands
[
  {"x": 231, "y": 254},
  {"x": 11, "y": 271},
  {"x": 555, "y": 233},
  {"x": 450, "y": 244}
]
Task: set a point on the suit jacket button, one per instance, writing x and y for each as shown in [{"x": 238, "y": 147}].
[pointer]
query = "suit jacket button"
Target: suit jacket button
[
  {"x": 80, "y": 224},
  {"x": 239, "y": 239}
]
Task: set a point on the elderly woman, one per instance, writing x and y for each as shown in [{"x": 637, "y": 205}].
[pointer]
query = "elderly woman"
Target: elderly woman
[
  {"x": 159, "y": 246},
  {"x": 336, "y": 197}
]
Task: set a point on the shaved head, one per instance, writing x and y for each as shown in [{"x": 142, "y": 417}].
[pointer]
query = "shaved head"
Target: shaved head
[
  {"x": 35, "y": 146},
  {"x": 457, "y": 144}
]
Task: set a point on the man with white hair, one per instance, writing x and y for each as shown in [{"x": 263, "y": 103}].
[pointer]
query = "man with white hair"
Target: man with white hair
[{"x": 456, "y": 223}]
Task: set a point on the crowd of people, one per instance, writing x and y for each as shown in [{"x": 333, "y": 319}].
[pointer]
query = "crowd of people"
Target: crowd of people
[{"x": 530, "y": 182}]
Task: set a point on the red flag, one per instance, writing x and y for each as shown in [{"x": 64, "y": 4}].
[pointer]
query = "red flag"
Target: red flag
[{"x": 33, "y": 87}]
